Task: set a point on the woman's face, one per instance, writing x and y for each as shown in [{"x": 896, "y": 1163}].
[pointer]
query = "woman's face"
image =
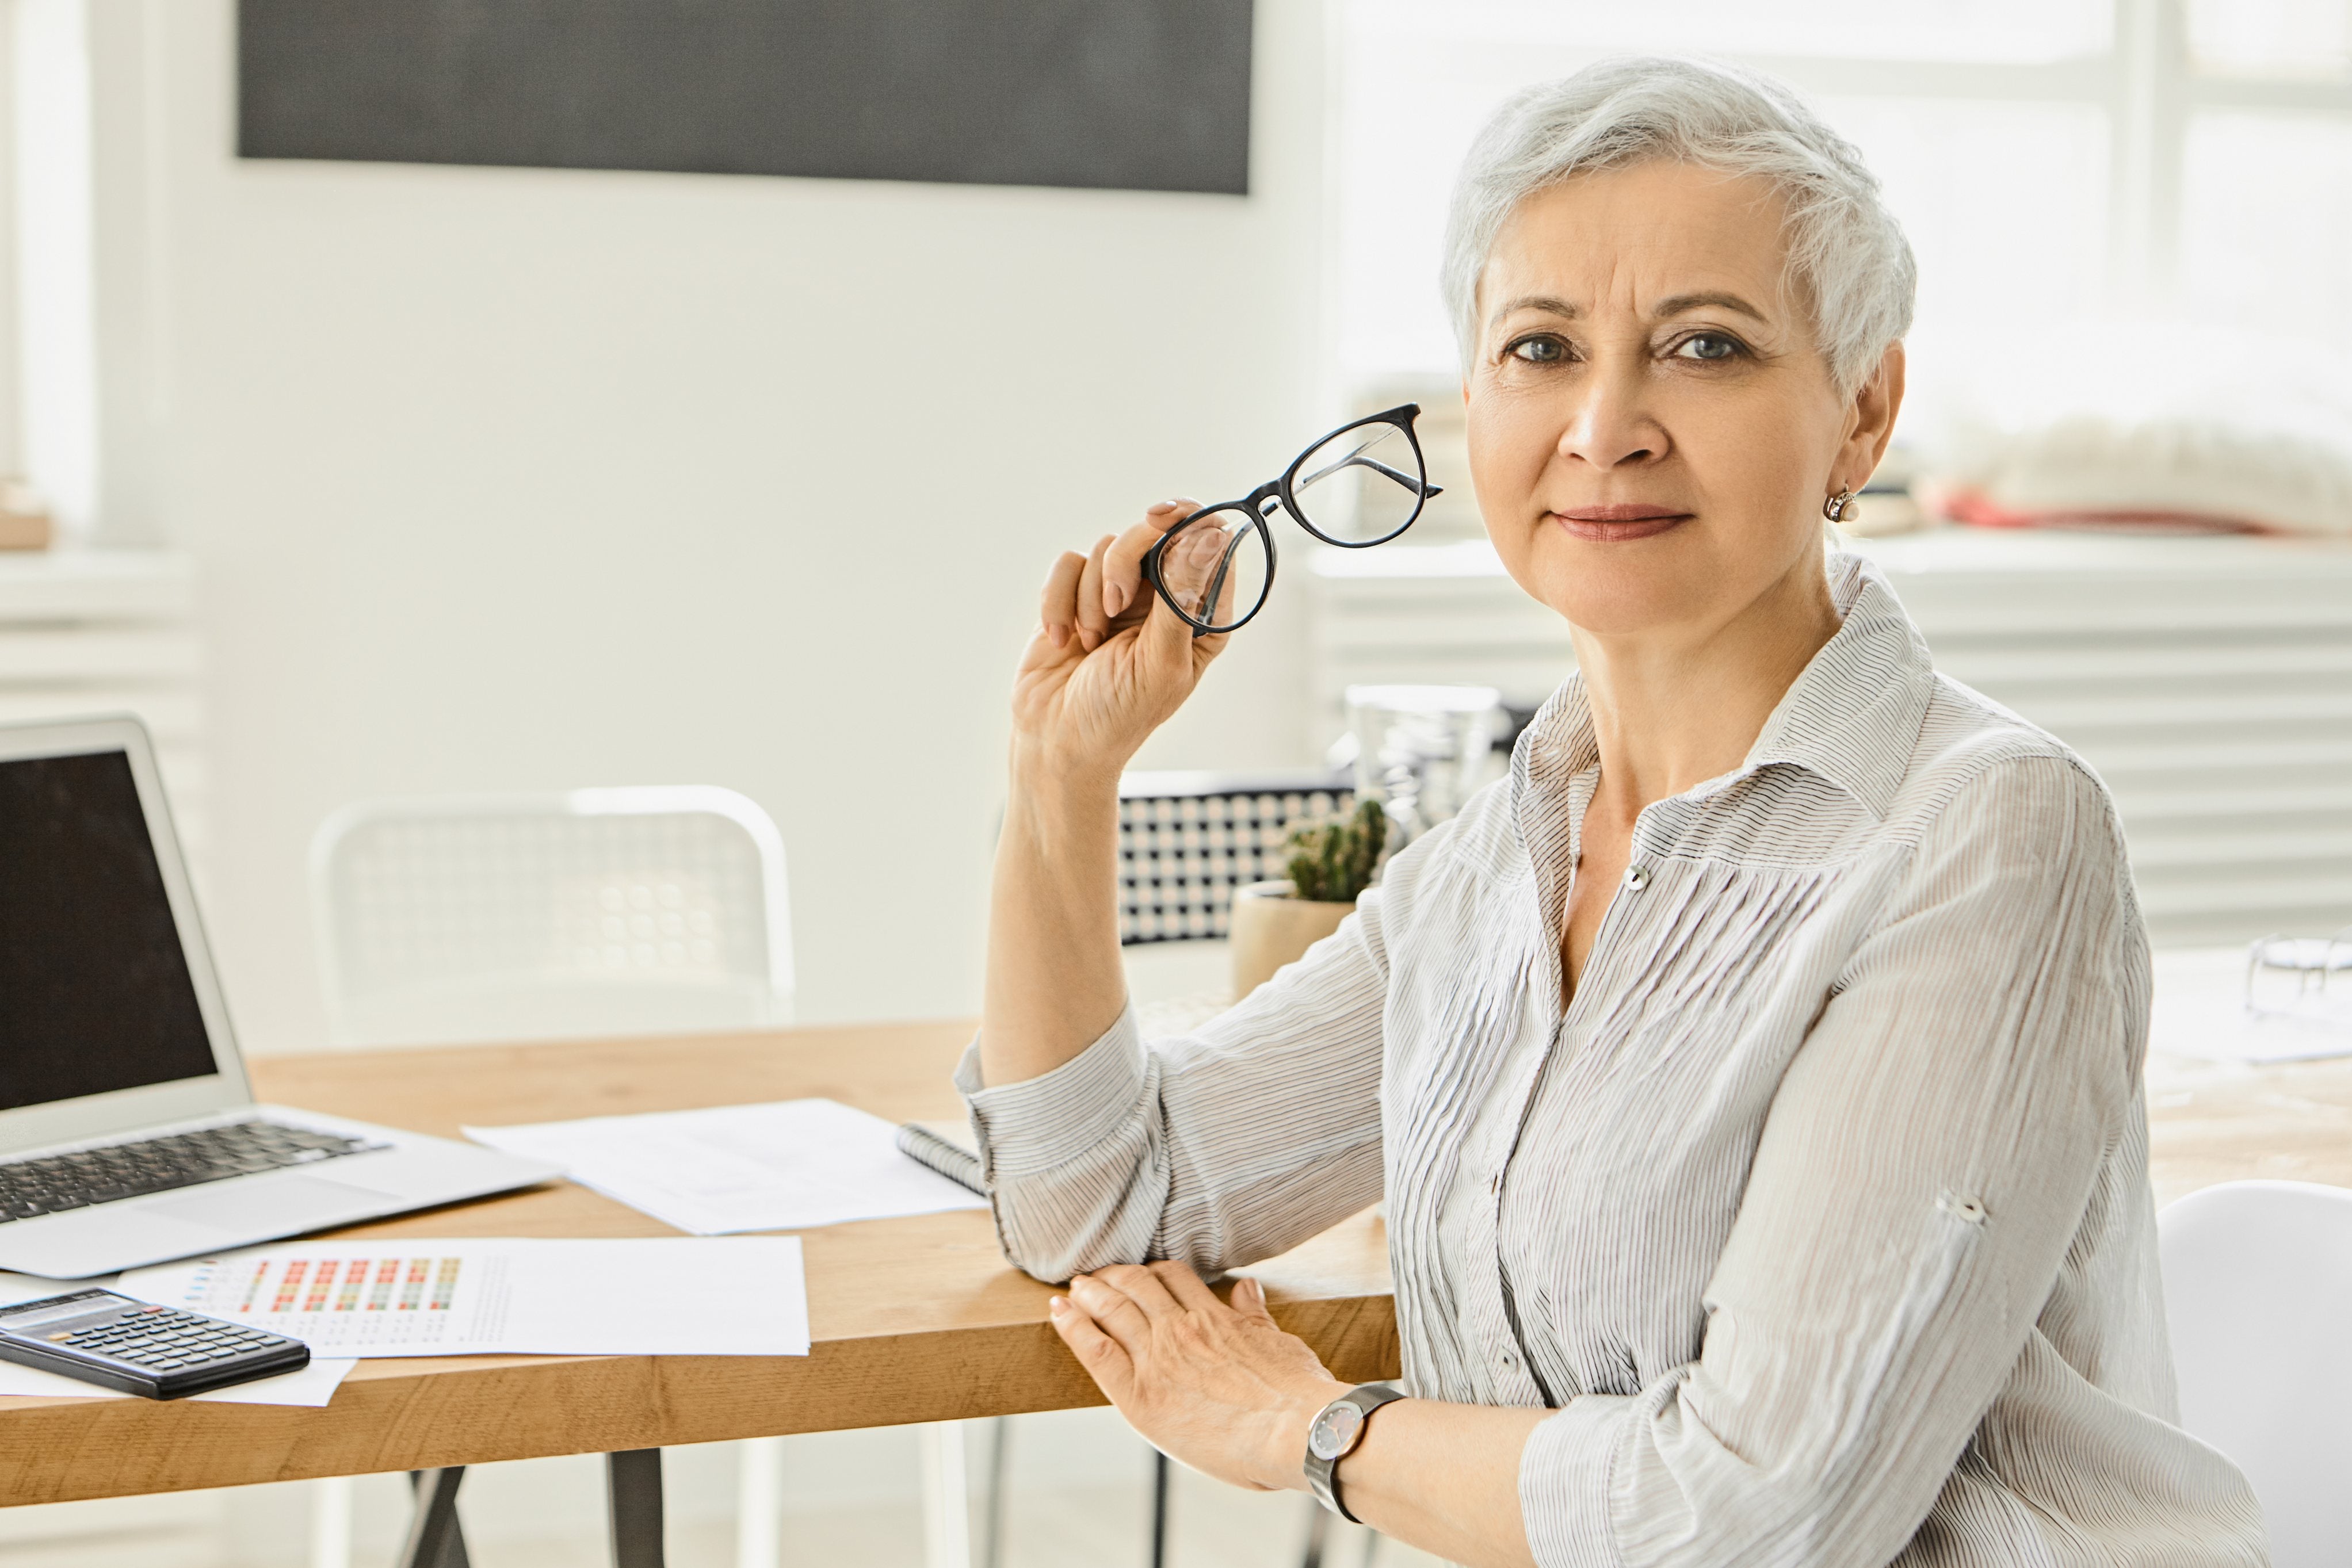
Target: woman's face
[{"x": 1652, "y": 431}]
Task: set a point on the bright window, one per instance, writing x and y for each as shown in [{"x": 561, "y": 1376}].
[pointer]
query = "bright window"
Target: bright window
[{"x": 2051, "y": 160}]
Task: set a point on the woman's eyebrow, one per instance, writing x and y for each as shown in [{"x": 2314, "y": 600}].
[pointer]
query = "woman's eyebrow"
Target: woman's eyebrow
[
  {"x": 1549, "y": 303},
  {"x": 1675, "y": 304},
  {"x": 1680, "y": 303}
]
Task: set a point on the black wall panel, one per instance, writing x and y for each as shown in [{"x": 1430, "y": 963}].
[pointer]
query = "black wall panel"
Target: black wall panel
[{"x": 1149, "y": 95}]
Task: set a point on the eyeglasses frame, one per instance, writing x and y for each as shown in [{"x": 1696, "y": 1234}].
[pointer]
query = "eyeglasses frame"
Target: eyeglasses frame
[{"x": 1263, "y": 502}]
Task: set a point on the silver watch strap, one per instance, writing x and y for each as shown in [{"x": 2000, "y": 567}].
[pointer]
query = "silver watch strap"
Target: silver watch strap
[{"x": 1323, "y": 1475}]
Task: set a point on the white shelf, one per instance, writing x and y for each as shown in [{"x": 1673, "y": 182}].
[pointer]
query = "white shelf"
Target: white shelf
[
  {"x": 84, "y": 632},
  {"x": 105, "y": 585}
]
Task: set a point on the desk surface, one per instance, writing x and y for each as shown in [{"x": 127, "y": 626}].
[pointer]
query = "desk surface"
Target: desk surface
[
  {"x": 2214, "y": 1122},
  {"x": 913, "y": 1319}
]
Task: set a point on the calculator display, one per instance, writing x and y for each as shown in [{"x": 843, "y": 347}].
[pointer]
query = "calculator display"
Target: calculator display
[{"x": 57, "y": 1314}]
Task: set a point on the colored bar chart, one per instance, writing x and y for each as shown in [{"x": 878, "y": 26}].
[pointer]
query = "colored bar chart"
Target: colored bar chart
[
  {"x": 312, "y": 1298},
  {"x": 526, "y": 1296}
]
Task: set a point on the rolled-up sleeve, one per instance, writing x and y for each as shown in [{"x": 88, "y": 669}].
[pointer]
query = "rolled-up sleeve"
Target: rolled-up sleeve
[
  {"x": 1928, "y": 1156},
  {"x": 1217, "y": 1148}
]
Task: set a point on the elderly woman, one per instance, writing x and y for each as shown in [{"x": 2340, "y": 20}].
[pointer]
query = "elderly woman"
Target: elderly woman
[{"x": 1753, "y": 1077}]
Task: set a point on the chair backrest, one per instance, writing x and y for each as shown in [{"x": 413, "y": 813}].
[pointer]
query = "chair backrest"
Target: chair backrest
[
  {"x": 2258, "y": 1295},
  {"x": 1187, "y": 840},
  {"x": 595, "y": 912}
]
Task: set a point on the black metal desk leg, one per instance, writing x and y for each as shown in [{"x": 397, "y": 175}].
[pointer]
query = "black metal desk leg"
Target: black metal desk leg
[
  {"x": 633, "y": 1487},
  {"x": 1159, "y": 1508},
  {"x": 434, "y": 1539}
]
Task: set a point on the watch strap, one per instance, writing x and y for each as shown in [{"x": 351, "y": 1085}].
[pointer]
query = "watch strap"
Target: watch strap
[{"x": 1323, "y": 1475}]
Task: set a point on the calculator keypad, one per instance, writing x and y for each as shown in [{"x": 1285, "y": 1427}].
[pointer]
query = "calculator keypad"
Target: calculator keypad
[{"x": 159, "y": 1339}]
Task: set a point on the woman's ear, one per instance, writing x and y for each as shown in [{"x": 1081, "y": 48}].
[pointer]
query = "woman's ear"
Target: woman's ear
[{"x": 1876, "y": 405}]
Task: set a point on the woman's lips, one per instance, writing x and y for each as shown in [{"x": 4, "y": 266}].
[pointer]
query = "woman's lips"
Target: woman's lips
[{"x": 1609, "y": 524}]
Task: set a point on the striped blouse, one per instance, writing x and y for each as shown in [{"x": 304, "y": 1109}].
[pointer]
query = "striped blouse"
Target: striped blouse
[{"x": 1821, "y": 1216}]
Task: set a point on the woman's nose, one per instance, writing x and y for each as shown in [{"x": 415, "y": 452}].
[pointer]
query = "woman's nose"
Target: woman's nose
[{"x": 1608, "y": 424}]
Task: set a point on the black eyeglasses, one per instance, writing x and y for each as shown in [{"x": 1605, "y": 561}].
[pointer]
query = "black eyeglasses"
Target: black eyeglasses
[{"x": 1360, "y": 485}]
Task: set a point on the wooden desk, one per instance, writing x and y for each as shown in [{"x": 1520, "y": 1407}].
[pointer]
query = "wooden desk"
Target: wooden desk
[
  {"x": 2213, "y": 1122},
  {"x": 913, "y": 1319}
]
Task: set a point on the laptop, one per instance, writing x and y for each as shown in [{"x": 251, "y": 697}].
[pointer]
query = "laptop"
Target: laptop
[{"x": 127, "y": 1134}]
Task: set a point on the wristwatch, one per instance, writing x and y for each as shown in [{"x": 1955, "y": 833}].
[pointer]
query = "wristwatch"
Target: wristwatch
[{"x": 1335, "y": 1430}]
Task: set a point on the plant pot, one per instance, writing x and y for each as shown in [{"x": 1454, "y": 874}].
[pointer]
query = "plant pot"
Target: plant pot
[{"x": 1272, "y": 928}]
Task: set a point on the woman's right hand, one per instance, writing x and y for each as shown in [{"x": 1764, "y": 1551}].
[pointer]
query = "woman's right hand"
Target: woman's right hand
[{"x": 1110, "y": 661}]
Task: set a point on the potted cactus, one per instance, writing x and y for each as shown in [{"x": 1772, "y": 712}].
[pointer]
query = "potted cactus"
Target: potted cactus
[{"x": 1329, "y": 863}]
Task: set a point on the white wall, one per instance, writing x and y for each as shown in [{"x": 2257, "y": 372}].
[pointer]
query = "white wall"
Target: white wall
[{"x": 509, "y": 479}]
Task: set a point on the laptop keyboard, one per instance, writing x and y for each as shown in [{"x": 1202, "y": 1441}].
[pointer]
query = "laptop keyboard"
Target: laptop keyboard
[{"x": 57, "y": 1182}]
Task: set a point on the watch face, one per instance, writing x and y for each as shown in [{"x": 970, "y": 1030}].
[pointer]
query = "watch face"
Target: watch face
[{"x": 1334, "y": 1432}]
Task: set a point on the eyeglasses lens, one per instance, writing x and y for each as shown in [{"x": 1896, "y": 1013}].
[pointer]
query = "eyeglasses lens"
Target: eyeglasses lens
[
  {"x": 1215, "y": 569},
  {"x": 1362, "y": 487}
]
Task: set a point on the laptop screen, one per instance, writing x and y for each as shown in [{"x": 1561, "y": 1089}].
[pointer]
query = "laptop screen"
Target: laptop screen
[{"x": 94, "y": 988}]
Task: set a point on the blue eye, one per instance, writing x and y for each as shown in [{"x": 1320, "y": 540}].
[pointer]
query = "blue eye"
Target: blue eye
[
  {"x": 1708, "y": 346},
  {"x": 1542, "y": 350}
]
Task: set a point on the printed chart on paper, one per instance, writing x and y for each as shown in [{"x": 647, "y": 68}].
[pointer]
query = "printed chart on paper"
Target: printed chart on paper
[
  {"x": 402, "y": 1297},
  {"x": 741, "y": 1295}
]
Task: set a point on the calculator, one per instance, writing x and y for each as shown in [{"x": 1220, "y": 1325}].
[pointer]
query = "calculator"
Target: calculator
[{"x": 137, "y": 1347}]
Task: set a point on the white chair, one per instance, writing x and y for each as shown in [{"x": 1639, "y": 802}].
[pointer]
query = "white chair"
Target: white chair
[
  {"x": 593, "y": 912},
  {"x": 2258, "y": 1295}
]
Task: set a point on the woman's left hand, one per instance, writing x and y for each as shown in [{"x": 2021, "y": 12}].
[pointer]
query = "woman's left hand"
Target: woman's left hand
[{"x": 1219, "y": 1388}]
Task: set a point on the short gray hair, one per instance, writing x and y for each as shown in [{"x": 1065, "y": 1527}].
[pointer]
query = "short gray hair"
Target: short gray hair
[{"x": 1845, "y": 249}]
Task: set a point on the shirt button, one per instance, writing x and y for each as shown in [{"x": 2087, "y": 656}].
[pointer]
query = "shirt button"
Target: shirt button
[{"x": 1637, "y": 877}]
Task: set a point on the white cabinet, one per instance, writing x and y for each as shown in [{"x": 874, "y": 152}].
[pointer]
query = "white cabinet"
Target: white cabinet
[
  {"x": 84, "y": 632},
  {"x": 2208, "y": 680}
]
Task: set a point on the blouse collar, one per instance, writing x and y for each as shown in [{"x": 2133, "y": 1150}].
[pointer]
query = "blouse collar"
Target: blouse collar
[{"x": 1851, "y": 717}]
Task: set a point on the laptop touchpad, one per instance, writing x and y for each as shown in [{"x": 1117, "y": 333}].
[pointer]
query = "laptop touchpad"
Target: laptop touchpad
[{"x": 273, "y": 1208}]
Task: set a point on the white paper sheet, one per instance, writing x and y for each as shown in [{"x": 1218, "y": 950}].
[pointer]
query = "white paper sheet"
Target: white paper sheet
[
  {"x": 791, "y": 1165},
  {"x": 671, "y": 1296}
]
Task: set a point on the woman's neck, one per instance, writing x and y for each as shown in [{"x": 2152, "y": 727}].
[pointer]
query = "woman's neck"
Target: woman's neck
[{"x": 1674, "y": 708}]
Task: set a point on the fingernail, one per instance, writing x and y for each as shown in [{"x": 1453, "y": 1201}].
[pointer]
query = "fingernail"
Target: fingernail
[
  {"x": 1057, "y": 635},
  {"x": 1114, "y": 598},
  {"x": 1057, "y": 1306}
]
